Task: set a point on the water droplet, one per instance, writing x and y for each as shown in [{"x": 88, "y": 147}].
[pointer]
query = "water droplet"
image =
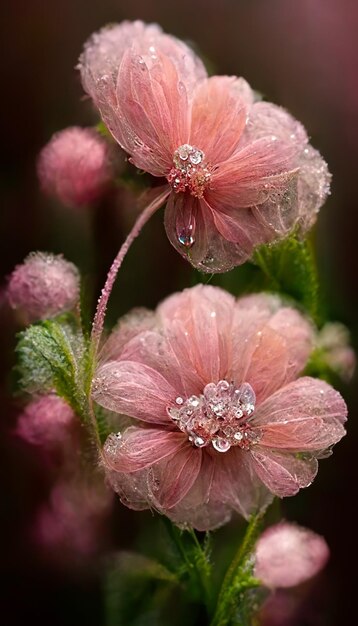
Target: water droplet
[
  {"x": 223, "y": 385},
  {"x": 209, "y": 391},
  {"x": 196, "y": 156},
  {"x": 179, "y": 400},
  {"x": 186, "y": 237},
  {"x": 238, "y": 436},
  {"x": 194, "y": 401},
  {"x": 183, "y": 152},
  {"x": 221, "y": 445},
  {"x": 173, "y": 413},
  {"x": 199, "y": 442}
]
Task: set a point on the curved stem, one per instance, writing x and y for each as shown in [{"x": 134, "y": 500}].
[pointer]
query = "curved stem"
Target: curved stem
[
  {"x": 233, "y": 584},
  {"x": 143, "y": 218}
]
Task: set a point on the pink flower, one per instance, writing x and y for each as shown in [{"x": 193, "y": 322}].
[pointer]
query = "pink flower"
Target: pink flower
[
  {"x": 71, "y": 524},
  {"x": 240, "y": 172},
  {"x": 287, "y": 555},
  {"x": 45, "y": 285},
  {"x": 220, "y": 422},
  {"x": 333, "y": 342},
  {"x": 75, "y": 166},
  {"x": 46, "y": 422}
]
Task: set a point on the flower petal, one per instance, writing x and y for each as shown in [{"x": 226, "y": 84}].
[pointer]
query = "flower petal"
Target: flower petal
[
  {"x": 314, "y": 178},
  {"x": 154, "y": 349},
  {"x": 155, "y": 108},
  {"x": 219, "y": 116},
  {"x": 266, "y": 119},
  {"x": 313, "y": 186},
  {"x": 198, "y": 508},
  {"x": 129, "y": 326},
  {"x": 236, "y": 483},
  {"x": 186, "y": 216},
  {"x": 272, "y": 343},
  {"x": 284, "y": 474},
  {"x": 305, "y": 415},
  {"x": 171, "y": 479},
  {"x": 134, "y": 390},
  {"x": 141, "y": 81},
  {"x": 262, "y": 169},
  {"x": 225, "y": 483},
  {"x": 198, "y": 321},
  {"x": 151, "y": 468},
  {"x": 138, "y": 448}
]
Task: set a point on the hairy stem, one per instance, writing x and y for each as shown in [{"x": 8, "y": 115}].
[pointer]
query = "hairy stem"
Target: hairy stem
[
  {"x": 143, "y": 218},
  {"x": 236, "y": 580},
  {"x": 195, "y": 563}
]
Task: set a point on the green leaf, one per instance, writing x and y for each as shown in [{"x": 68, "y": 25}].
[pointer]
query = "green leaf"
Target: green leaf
[
  {"x": 236, "y": 591},
  {"x": 102, "y": 129},
  {"x": 192, "y": 563},
  {"x": 136, "y": 590},
  {"x": 53, "y": 356},
  {"x": 290, "y": 269}
]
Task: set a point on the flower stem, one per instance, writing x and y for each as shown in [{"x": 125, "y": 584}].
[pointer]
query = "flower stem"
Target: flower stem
[
  {"x": 204, "y": 571},
  {"x": 236, "y": 579},
  {"x": 195, "y": 562},
  {"x": 143, "y": 218}
]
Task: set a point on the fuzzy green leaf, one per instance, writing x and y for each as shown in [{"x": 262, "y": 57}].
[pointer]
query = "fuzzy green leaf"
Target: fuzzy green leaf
[
  {"x": 290, "y": 269},
  {"x": 136, "y": 590},
  {"x": 52, "y": 355}
]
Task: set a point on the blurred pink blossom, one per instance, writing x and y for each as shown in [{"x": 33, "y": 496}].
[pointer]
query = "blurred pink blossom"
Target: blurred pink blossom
[
  {"x": 43, "y": 286},
  {"x": 240, "y": 172},
  {"x": 46, "y": 422},
  {"x": 282, "y": 608},
  {"x": 75, "y": 166},
  {"x": 71, "y": 524},
  {"x": 287, "y": 555},
  {"x": 221, "y": 423},
  {"x": 334, "y": 343}
]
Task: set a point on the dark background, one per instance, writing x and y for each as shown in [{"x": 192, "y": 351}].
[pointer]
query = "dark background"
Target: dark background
[{"x": 300, "y": 54}]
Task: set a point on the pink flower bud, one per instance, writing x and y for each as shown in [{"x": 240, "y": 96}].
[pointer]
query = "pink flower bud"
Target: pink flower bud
[
  {"x": 287, "y": 555},
  {"x": 75, "y": 166},
  {"x": 334, "y": 342},
  {"x": 46, "y": 422},
  {"x": 71, "y": 524},
  {"x": 45, "y": 285}
]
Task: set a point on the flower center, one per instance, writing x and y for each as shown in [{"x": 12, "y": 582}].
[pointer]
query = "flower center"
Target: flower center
[
  {"x": 189, "y": 172},
  {"x": 219, "y": 416}
]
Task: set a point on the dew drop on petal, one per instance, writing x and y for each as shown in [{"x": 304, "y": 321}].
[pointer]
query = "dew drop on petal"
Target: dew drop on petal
[
  {"x": 186, "y": 237},
  {"x": 221, "y": 445}
]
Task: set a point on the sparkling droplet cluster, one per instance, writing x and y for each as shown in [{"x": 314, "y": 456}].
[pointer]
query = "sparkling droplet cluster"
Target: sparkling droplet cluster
[
  {"x": 190, "y": 172},
  {"x": 220, "y": 416}
]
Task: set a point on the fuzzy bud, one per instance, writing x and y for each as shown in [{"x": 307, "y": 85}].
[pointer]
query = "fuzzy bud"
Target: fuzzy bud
[
  {"x": 287, "y": 555},
  {"x": 75, "y": 166},
  {"x": 71, "y": 525},
  {"x": 44, "y": 286},
  {"x": 46, "y": 422},
  {"x": 334, "y": 343}
]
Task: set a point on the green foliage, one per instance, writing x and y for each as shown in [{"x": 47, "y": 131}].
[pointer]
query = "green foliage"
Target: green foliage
[
  {"x": 102, "y": 129},
  {"x": 290, "y": 269},
  {"x": 318, "y": 367},
  {"x": 53, "y": 356},
  {"x": 236, "y": 599},
  {"x": 191, "y": 562},
  {"x": 136, "y": 590}
]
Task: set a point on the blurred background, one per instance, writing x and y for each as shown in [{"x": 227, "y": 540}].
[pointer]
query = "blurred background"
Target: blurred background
[{"x": 302, "y": 55}]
